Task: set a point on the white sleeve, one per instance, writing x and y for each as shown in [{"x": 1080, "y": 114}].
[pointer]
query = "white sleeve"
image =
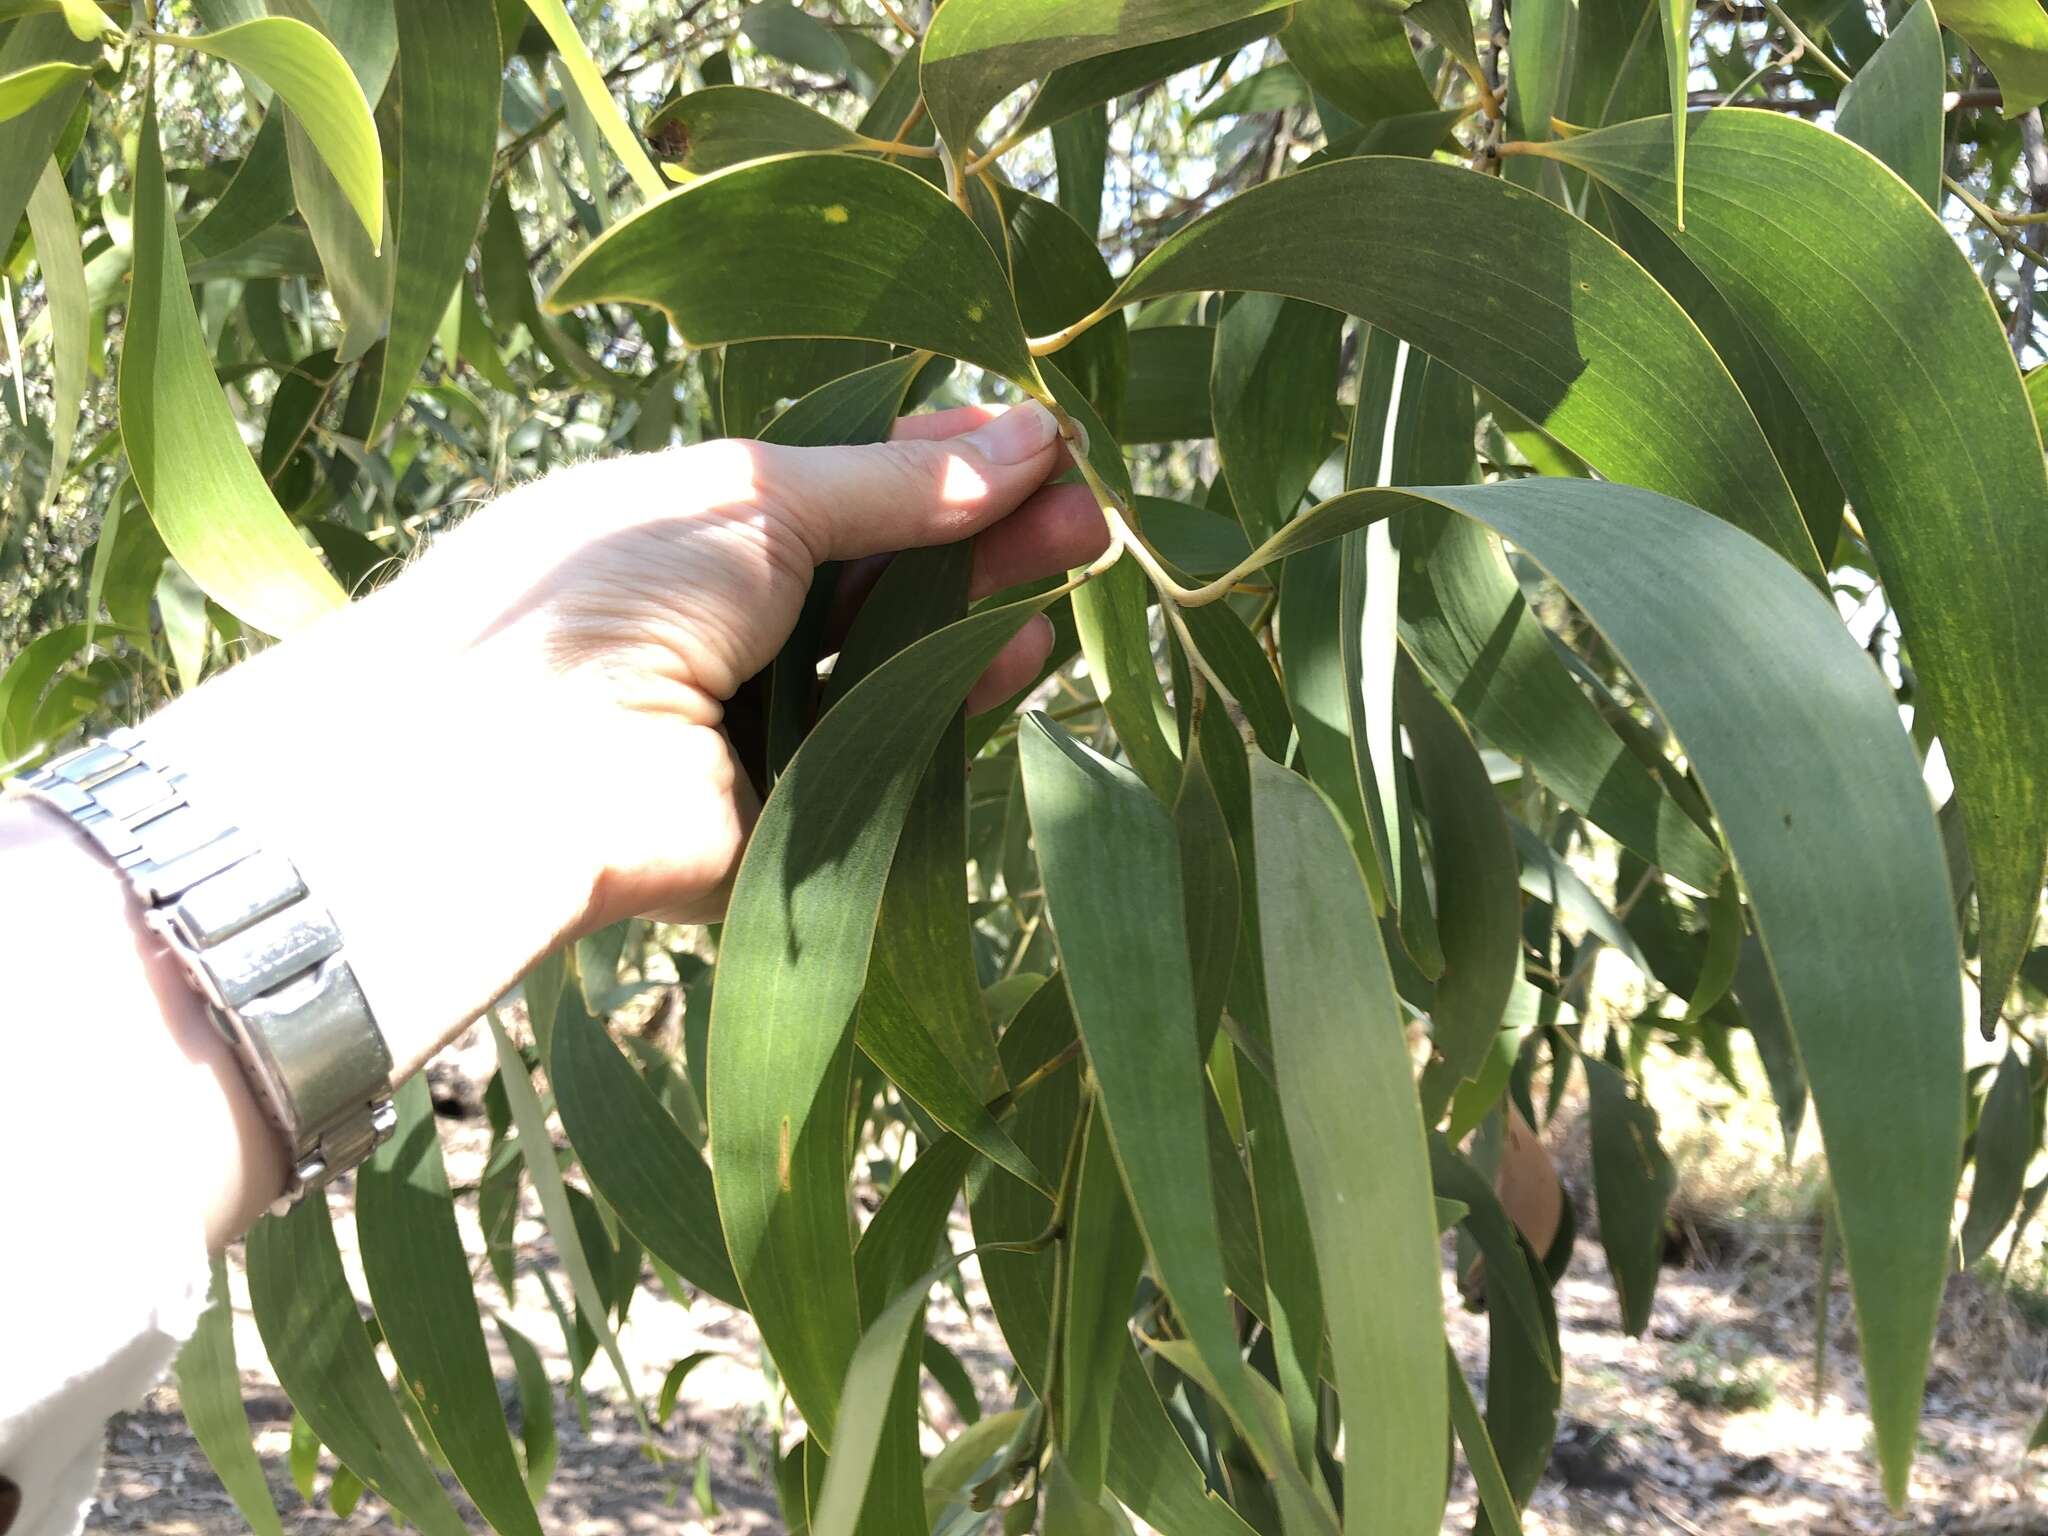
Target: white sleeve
[{"x": 103, "y": 1273}]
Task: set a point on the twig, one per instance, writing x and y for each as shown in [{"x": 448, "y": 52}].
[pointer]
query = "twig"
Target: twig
[
  {"x": 888, "y": 9},
  {"x": 1819, "y": 53}
]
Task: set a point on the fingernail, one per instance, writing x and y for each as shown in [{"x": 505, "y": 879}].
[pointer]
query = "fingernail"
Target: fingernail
[{"x": 1017, "y": 436}]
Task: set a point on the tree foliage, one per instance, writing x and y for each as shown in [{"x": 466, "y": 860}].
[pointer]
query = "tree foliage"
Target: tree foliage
[{"x": 1486, "y": 411}]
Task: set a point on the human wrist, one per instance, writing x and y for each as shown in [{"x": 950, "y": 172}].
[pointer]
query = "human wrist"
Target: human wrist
[{"x": 375, "y": 759}]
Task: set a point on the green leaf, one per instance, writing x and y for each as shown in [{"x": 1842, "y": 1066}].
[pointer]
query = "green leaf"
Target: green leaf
[
  {"x": 781, "y": 29},
  {"x": 1341, "y": 1066},
  {"x": 1166, "y": 392},
  {"x": 838, "y": 245},
  {"x": 1359, "y": 57},
  {"x": 1632, "y": 1181},
  {"x": 25, "y": 87},
  {"x": 205, "y": 494},
  {"x": 1110, "y": 615},
  {"x": 1512, "y": 1291},
  {"x": 723, "y": 125},
  {"x": 1478, "y": 892},
  {"x": 1080, "y": 152},
  {"x": 2011, "y": 37},
  {"x": 1273, "y": 398},
  {"x": 1893, "y": 108},
  {"x": 1819, "y": 793},
  {"x": 1211, "y": 888},
  {"x": 1312, "y": 662},
  {"x": 1821, "y": 252},
  {"x": 2004, "y": 1144},
  {"x": 317, "y": 1344},
  {"x": 311, "y": 78},
  {"x": 1149, "y": 1466},
  {"x": 539, "y": 1150},
  {"x": 1110, "y": 858},
  {"x": 28, "y": 140},
  {"x": 555, "y": 20},
  {"x": 1275, "y": 88},
  {"x": 448, "y": 88},
  {"x": 1677, "y": 19},
  {"x": 426, "y": 1304},
  {"x": 1103, "y": 1258},
  {"x": 979, "y": 51},
  {"x": 1757, "y": 991},
  {"x": 672, "y": 1383},
  {"x": 1724, "y": 949},
  {"x": 872, "y": 1377},
  {"x": 536, "y": 1409},
  {"x": 1470, "y": 630},
  {"x": 635, "y": 1154},
  {"x": 1588, "y": 346},
  {"x": 1059, "y": 275},
  {"x": 210, "y": 1397},
  {"x": 791, "y": 968},
  {"x": 898, "y": 1036},
  {"x": 1494, "y": 1496},
  {"x": 258, "y": 198},
  {"x": 1090, "y": 82},
  {"x": 63, "y": 268}
]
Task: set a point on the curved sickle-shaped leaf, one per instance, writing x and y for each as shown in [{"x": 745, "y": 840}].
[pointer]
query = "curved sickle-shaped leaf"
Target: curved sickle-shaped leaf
[
  {"x": 449, "y": 83},
  {"x": 2011, "y": 37},
  {"x": 1465, "y": 622},
  {"x": 872, "y": 1381},
  {"x": 1495, "y": 1497},
  {"x": 205, "y": 494},
  {"x": 1359, "y": 57},
  {"x": 1478, "y": 892},
  {"x": 1340, "y": 1061},
  {"x": 1521, "y": 298},
  {"x": 312, "y": 78},
  {"x": 636, "y": 1156},
  {"x": 1090, "y": 82},
  {"x": 25, "y": 87},
  {"x": 2004, "y": 1146},
  {"x": 724, "y": 125},
  {"x": 1879, "y": 324},
  {"x": 832, "y": 245},
  {"x": 1827, "y": 820},
  {"x": 1150, "y": 1469},
  {"x": 321, "y": 1351},
  {"x": 210, "y": 1397},
  {"x": 31, "y": 138},
  {"x": 50, "y": 220},
  {"x": 426, "y": 1304},
  {"x": 1893, "y": 107},
  {"x": 1110, "y": 857},
  {"x": 555, "y": 20},
  {"x": 1099, "y": 1276},
  {"x": 795, "y": 955},
  {"x": 1632, "y": 1183},
  {"x": 538, "y": 1149},
  {"x": 977, "y": 51}
]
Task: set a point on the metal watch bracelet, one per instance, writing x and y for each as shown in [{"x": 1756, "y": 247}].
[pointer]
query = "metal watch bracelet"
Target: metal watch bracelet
[{"x": 262, "y": 953}]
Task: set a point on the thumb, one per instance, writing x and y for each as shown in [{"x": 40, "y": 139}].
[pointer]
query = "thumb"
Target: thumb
[{"x": 865, "y": 500}]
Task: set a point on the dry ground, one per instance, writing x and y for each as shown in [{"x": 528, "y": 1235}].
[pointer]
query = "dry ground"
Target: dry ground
[{"x": 1735, "y": 1311}]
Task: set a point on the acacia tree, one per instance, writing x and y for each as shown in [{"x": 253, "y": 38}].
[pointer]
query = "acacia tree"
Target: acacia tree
[{"x": 1479, "y": 445}]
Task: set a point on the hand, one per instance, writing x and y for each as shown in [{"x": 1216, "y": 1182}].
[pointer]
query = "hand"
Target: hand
[{"x": 518, "y": 740}]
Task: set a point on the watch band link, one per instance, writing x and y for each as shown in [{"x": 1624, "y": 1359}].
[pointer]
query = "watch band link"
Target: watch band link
[{"x": 264, "y": 955}]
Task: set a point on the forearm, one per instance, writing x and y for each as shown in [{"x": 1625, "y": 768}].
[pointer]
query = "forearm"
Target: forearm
[{"x": 438, "y": 839}]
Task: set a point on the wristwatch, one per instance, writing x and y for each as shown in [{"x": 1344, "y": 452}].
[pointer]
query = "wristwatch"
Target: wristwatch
[{"x": 264, "y": 955}]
